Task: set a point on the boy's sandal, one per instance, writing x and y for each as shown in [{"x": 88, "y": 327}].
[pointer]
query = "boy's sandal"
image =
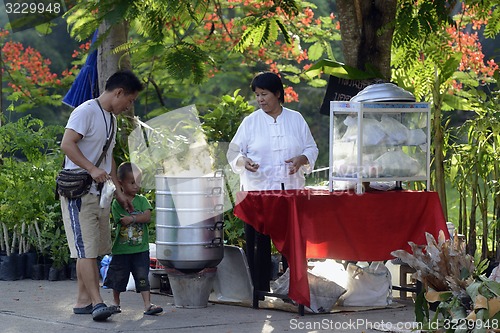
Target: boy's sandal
[
  {"x": 115, "y": 309},
  {"x": 153, "y": 309}
]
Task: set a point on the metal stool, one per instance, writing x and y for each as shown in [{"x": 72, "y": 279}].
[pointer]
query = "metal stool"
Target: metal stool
[
  {"x": 404, "y": 285},
  {"x": 404, "y": 271}
]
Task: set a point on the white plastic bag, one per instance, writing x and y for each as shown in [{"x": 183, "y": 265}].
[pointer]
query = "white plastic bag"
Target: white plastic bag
[
  {"x": 397, "y": 133},
  {"x": 368, "y": 286},
  {"x": 324, "y": 293},
  {"x": 373, "y": 133},
  {"x": 107, "y": 193}
]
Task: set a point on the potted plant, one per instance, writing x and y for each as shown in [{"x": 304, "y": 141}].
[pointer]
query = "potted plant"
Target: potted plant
[
  {"x": 30, "y": 159},
  {"x": 454, "y": 286},
  {"x": 59, "y": 254}
]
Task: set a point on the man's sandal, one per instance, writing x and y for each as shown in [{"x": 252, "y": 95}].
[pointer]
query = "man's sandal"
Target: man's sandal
[
  {"x": 101, "y": 312},
  {"x": 83, "y": 310}
]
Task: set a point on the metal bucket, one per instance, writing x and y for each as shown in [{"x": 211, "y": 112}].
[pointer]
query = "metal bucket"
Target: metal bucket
[
  {"x": 191, "y": 290},
  {"x": 189, "y": 227}
]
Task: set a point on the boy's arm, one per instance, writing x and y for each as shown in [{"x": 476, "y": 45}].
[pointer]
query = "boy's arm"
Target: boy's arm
[
  {"x": 143, "y": 217},
  {"x": 119, "y": 195}
]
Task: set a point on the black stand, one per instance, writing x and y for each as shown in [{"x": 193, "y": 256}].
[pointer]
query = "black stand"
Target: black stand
[
  {"x": 257, "y": 294},
  {"x": 258, "y": 252}
]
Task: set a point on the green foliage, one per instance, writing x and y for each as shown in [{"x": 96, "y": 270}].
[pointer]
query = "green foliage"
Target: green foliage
[
  {"x": 29, "y": 138},
  {"x": 186, "y": 60},
  {"x": 341, "y": 70},
  {"x": 262, "y": 31},
  {"x": 263, "y": 28},
  {"x": 30, "y": 160},
  {"x": 173, "y": 46},
  {"x": 417, "y": 21},
  {"x": 472, "y": 165},
  {"x": 477, "y": 303},
  {"x": 59, "y": 251},
  {"x": 221, "y": 124}
]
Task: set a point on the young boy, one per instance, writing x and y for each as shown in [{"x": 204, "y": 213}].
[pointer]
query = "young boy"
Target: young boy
[{"x": 131, "y": 245}]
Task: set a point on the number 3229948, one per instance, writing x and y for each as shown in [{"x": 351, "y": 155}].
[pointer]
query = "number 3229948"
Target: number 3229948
[
  {"x": 463, "y": 323},
  {"x": 32, "y": 7}
]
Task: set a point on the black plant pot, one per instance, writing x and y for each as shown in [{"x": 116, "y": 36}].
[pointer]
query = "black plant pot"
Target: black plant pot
[
  {"x": 38, "y": 272},
  {"x": 21, "y": 266},
  {"x": 30, "y": 261},
  {"x": 63, "y": 275},
  {"x": 57, "y": 274},
  {"x": 71, "y": 270},
  {"x": 53, "y": 274},
  {"x": 46, "y": 270},
  {"x": 41, "y": 271},
  {"x": 8, "y": 267}
]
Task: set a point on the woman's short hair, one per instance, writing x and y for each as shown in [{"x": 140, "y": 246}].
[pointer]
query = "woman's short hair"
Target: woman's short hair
[{"x": 269, "y": 81}]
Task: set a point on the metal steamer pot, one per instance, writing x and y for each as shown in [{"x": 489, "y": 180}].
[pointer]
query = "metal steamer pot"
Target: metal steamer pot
[{"x": 189, "y": 227}]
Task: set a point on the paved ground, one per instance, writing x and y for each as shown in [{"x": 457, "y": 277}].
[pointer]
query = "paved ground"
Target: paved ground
[{"x": 45, "y": 306}]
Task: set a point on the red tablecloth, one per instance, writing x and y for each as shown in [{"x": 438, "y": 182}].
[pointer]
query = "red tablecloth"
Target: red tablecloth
[{"x": 340, "y": 225}]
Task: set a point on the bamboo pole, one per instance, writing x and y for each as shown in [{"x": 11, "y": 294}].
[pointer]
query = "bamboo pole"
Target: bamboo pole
[
  {"x": 2, "y": 242},
  {"x": 39, "y": 237},
  {"x": 14, "y": 237},
  {"x": 6, "y": 238},
  {"x": 22, "y": 238}
]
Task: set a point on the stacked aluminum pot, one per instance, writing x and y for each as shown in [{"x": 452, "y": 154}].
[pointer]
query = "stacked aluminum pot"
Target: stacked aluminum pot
[{"x": 189, "y": 223}]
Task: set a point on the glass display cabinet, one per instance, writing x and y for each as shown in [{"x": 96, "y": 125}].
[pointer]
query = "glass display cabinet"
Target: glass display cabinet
[{"x": 375, "y": 142}]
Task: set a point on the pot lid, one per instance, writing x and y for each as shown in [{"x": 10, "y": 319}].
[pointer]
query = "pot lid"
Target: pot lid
[{"x": 383, "y": 92}]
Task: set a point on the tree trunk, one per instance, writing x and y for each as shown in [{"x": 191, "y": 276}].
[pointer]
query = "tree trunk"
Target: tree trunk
[
  {"x": 108, "y": 61},
  {"x": 366, "y": 30},
  {"x": 438, "y": 143},
  {"x": 471, "y": 241}
]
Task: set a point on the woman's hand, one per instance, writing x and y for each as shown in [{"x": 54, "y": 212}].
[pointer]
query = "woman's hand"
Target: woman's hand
[
  {"x": 296, "y": 163},
  {"x": 249, "y": 164}
]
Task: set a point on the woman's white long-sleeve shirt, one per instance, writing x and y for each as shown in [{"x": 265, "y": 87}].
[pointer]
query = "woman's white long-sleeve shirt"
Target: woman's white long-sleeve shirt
[{"x": 270, "y": 143}]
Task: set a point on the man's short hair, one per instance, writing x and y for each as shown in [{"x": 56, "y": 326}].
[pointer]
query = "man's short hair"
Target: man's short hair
[{"x": 126, "y": 80}]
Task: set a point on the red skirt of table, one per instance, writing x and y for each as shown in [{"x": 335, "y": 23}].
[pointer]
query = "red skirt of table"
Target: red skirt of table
[{"x": 340, "y": 225}]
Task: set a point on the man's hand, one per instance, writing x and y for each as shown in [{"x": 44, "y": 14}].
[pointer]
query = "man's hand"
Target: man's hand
[
  {"x": 98, "y": 174},
  {"x": 124, "y": 201}
]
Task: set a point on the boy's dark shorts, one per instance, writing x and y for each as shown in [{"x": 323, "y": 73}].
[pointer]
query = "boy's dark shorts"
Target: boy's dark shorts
[{"x": 120, "y": 268}]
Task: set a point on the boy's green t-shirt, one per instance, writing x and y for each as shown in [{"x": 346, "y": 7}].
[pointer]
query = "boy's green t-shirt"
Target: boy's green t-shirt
[{"x": 133, "y": 238}]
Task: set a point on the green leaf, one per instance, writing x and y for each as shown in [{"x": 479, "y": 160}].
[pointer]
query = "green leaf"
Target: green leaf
[
  {"x": 318, "y": 83},
  {"x": 284, "y": 31},
  {"x": 455, "y": 102},
  {"x": 450, "y": 66},
  {"x": 45, "y": 28},
  {"x": 338, "y": 69},
  {"x": 293, "y": 78},
  {"x": 315, "y": 51}
]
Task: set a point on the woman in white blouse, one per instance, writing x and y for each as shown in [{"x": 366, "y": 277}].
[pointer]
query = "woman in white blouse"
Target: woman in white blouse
[{"x": 272, "y": 150}]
